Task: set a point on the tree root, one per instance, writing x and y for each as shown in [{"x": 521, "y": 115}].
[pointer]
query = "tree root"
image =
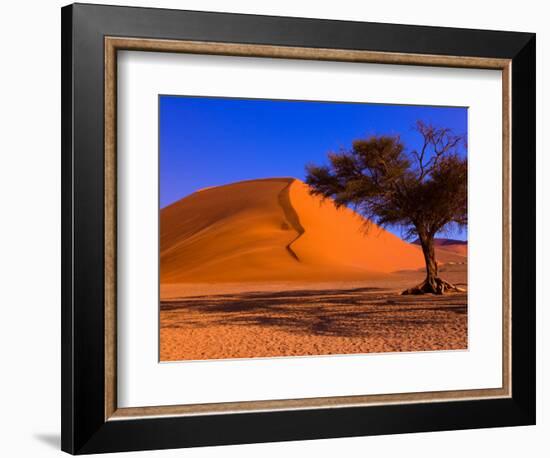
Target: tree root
[{"x": 433, "y": 286}]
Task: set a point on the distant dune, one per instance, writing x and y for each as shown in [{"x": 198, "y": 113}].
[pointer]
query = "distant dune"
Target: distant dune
[
  {"x": 274, "y": 230},
  {"x": 459, "y": 247}
]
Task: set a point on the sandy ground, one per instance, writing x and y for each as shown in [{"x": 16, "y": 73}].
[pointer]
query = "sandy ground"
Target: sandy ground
[{"x": 267, "y": 320}]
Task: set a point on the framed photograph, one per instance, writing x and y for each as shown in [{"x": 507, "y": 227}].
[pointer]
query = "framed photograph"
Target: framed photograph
[{"x": 281, "y": 228}]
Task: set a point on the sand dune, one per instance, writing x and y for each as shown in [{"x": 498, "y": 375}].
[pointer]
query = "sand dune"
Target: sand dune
[
  {"x": 456, "y": 248},
  {"x": 447, "y": 246},
  {"x": 274, "y": 230},
  {"x": 337, "y": 237}
]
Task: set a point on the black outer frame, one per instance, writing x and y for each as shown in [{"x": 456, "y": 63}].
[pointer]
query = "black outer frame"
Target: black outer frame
[{"x": 84, "y": 429}]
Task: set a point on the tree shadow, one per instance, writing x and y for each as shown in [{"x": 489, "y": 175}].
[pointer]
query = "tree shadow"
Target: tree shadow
[{"x": 359, "y": 312}]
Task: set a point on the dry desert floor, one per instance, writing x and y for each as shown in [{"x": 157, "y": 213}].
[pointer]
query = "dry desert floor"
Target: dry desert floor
[{"x": 268, "y": 320}]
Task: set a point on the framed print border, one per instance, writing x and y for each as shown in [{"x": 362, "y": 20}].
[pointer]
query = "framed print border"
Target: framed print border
[
  {"x": 115, "y": 44},
  {"x": 91, "y": 37}
]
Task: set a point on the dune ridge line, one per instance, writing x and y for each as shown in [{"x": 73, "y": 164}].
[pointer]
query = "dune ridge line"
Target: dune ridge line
[{"x": 291, "y": 216}]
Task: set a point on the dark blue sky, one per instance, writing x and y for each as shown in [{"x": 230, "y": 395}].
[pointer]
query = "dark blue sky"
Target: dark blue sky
[{"x": 206, "y": 141}]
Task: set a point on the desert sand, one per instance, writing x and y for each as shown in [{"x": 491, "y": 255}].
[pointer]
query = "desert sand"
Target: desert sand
[{"x": 261, "y": 268}]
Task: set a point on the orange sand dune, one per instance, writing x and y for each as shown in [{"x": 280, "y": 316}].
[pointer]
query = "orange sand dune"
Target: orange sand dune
[
  {"x": 274, "y": 230},
  {"x": 445, "y": 247},
  {"x": 460, "y": 249},
  {"x": 339, "y": 237}
]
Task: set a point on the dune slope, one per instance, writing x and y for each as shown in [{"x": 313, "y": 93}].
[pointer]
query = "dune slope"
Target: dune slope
[
  {"x": 447, "y": 246},
  {"x": 452, "y": 246}
]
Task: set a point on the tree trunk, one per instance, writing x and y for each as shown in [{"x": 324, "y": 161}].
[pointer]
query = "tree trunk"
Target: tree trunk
[
  {"x": 432, "y": 284},
  {"x": 427, "y": 244}
]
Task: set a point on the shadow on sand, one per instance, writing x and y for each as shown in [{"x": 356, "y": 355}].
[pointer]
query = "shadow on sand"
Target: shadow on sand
[{"x": 331, "y": 312}]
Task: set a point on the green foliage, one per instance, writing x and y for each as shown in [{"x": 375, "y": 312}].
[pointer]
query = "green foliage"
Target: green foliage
[{"x": 422, "y": 191}]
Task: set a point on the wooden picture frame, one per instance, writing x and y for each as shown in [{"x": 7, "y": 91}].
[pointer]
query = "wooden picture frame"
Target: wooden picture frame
[{"x": 91, "y": 419}]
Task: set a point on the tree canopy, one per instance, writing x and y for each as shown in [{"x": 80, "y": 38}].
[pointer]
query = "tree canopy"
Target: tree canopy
[{"x": 422, "y": 190}]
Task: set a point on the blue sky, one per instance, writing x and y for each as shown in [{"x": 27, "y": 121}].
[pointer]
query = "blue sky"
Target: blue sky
[{"x": 208, "y": 141}]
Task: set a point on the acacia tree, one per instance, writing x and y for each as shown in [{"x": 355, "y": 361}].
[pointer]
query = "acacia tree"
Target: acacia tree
[{"x": 423, "y": 191}]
